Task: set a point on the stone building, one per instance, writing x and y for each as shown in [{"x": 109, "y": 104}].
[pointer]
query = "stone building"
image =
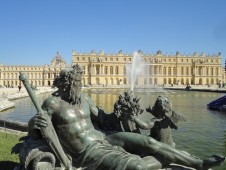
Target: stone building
[
  {"x": 37, "y": 75},
  {"x": 110, "y": 69}
]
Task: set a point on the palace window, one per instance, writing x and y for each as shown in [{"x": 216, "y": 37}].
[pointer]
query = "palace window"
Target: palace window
[
  {"x": 116, "y": 70},
  {"x": 155, "y": 70},
  {"x": 182, "y": 71},
  {"x": 164, "y": 70},
  {"x": 111, "y": 70},
  {"x": 187, "y": 71},
  {"x": 169, "y": 71},
  {"x": 174, "y": 70},
  {"x": 212, "y": 71},
  {"x": 106, "y": 70},
  {"x": 97, "y": 70}
]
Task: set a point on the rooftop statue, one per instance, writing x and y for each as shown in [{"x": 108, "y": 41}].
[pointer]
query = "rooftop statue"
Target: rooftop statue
[{"x": 66, "y": 134}]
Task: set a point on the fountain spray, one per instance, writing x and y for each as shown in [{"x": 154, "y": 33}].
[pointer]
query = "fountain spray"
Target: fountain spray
[{"x": 137, "y": 68}]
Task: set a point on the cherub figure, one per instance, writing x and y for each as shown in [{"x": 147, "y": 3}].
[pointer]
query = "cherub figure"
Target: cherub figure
[
  {"x": 166, "y": 119},
  {"x": 127, "y": 109}
]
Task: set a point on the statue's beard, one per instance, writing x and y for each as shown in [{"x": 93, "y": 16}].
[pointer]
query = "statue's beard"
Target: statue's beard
[{"x": 75, "y": 96}]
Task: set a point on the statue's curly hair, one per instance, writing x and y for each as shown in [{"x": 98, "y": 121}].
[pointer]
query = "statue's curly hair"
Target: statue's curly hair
[
  {"x": 66, "y": 77},
  {"x": 163, "y": 103}
]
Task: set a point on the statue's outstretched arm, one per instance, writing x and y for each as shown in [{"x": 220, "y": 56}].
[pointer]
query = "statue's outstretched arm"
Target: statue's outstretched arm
[{"x": 142, "y": 124}]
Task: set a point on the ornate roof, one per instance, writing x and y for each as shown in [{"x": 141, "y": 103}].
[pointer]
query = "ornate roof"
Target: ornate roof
[{"x": 58, "y": 61}]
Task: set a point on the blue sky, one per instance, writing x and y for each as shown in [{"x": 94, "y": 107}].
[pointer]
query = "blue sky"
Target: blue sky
[{"x": 31, "y": 32}]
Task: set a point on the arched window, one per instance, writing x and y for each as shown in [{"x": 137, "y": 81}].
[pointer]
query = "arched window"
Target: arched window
[
  {"x": 97, "y": 70},
  {"x": 187, "y": 71},
  {"x": 111, "y": 70},
  {"x": 182, "y": 71},
  {"x": 200, "y": 70},
  {"x": 124, "y": 81},
  {"x": 207, "y": 72},
  {"x": 216, "y": 71},
  {"x": 155, "y": 70},
  {"x": 164, "y": 81},
  {"x": 212, "y": 71},
  {"x": 174, "y": 70},
  {"x": 164, "y": 71},
  {"x": 116, "y": 70},
  {"x": 106, "y": 70},
  {"x": 169, "y": 72}
]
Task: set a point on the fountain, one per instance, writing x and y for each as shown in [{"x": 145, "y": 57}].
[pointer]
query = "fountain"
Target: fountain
[
  {"x": 135, "y": 69},
  {"x": 138, "y": 69}
]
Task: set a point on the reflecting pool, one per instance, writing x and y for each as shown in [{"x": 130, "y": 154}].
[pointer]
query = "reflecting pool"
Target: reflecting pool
[{"x": 203, "y": 134}]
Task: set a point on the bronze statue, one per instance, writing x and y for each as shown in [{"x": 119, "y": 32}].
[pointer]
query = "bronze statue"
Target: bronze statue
[
  {"x": 75, "y": 119},
  {"x": 127, "y": 109},
  {"x": 167, "y": 119}
]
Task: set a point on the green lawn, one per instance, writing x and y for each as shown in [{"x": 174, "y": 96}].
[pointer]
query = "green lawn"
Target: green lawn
[{"x": 7, "y": 141}]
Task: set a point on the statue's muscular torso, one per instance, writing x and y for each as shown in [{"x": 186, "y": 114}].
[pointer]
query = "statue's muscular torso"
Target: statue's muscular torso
[{"x": 73, "y": 124}]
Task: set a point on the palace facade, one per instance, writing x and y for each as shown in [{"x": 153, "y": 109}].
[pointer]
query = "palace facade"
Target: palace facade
[
  {"x": 102, "y": 69},
  {"x": 111, "y": 69},
  {"x": 37, "y": 75}
]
